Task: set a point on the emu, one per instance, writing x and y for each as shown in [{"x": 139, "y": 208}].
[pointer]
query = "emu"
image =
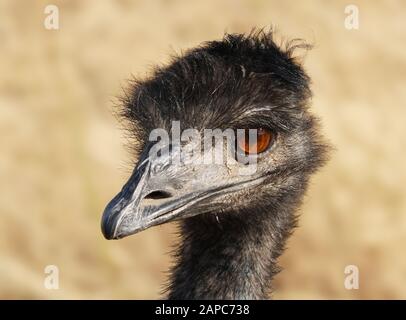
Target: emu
[{"x": 233, "y": 227}]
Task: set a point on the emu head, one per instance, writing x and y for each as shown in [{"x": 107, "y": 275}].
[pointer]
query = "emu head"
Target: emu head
[{"x": 254, "y": 94}]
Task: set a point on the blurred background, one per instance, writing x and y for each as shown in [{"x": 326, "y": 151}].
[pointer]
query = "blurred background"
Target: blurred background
[{"x": 63, "y": 156}]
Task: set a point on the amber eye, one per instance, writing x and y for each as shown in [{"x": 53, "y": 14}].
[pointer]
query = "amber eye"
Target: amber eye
[{"x": 264, "y": 139}]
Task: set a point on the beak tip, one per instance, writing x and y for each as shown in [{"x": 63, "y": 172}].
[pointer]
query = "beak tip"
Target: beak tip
[
  {"x": 107, "y": 236},
  {"x": 108, "y": 226},
  {"x": 106, "y": 233}
]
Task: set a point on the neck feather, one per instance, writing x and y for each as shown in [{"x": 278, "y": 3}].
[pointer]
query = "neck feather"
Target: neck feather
[{"x": 229, "y": 256}]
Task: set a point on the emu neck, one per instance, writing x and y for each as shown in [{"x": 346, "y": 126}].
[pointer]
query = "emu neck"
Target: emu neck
[{"x": 226, "y": 258}]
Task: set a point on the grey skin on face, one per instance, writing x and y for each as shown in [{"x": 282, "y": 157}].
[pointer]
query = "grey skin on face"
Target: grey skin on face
[{"x": 161, "y": 190}]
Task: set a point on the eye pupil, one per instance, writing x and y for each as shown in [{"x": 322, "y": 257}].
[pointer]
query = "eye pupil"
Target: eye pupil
[{"x": 260, "y": 144}]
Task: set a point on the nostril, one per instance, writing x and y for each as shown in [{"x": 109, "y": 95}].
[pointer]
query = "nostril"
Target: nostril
[{"x": 158, "y": 194}]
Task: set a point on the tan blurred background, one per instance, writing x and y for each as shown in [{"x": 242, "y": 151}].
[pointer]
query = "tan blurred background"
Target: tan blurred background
[{"x": 62, "y": 155}]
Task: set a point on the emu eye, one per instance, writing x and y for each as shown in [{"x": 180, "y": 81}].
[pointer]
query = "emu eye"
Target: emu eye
[{"x": 263, "y": 141}]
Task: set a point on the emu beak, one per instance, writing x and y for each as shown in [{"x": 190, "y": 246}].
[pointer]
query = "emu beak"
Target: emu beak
[
  {"x": 160, "y": 191},
  {"x": 149, "y": 198}
]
